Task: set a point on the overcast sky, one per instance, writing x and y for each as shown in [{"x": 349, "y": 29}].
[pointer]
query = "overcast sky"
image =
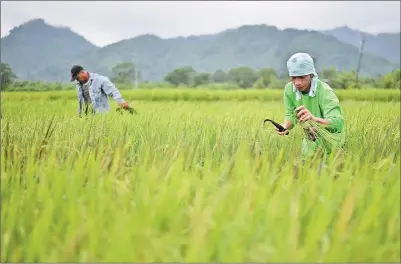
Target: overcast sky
[{"x": 106, "y": 22}]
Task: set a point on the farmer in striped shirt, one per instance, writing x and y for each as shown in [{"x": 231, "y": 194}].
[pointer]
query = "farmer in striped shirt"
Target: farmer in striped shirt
[
  {"x": 314, "y": 100},
  {"x": 93, "y": 90}
]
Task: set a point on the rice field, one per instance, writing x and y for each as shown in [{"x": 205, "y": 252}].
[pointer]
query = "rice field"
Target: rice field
[
  {"x": 194, "y": 181},
  {"x": 209, "y": 95}
]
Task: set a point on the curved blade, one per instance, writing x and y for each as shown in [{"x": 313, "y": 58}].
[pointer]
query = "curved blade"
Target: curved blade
[{"x": 279, "y": 127}]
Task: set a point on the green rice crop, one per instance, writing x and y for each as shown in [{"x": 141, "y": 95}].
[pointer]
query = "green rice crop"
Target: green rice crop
[
  {"x": 194, "y": 182},
  {"x": 383, "y": 95}
]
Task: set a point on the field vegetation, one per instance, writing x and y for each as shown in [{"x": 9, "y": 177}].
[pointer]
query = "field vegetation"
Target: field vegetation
[
  {"x": 196, "y": 176},
  {"x": 207, "y": 94}
]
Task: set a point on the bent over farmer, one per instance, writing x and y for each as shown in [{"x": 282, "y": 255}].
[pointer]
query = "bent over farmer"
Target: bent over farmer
[
  {"x": 93, "y": 90},
  {"x": 308, "y": 98}
]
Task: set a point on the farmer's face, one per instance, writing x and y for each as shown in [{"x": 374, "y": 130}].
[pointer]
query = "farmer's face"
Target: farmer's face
[
  {"x": 82, "y": 76},
  {"x": 302, "y": 83}
]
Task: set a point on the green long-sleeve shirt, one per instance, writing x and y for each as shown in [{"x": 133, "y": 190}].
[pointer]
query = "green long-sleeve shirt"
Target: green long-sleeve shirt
[{"x": 324, "y": 104}]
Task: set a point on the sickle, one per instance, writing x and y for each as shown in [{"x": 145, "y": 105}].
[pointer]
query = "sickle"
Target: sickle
[{"x": 279, "y": 127}]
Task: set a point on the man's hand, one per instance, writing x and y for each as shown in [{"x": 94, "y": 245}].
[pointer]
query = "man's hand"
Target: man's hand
[
  {"x": 124, "y": 105},
  {"x": 285, "y": 132},
  {"x": 287, "y": 125},
  {"x": 304, "y": 114}
]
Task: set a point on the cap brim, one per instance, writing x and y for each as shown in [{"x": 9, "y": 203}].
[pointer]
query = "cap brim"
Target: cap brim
[
  {"x": 73, "y": 78},
  {"x": 299, "y": 74}
]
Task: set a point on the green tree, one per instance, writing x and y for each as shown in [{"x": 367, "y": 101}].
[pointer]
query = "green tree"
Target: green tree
[
  {"x": 338, "y": 80},
  {"x": 220, "y": 76},
  {"x": 7, "y": 76},
  {"x": 244, "y": 77},
  {"x": 184, "y": 75},
  {"x": 328, "y": 73},
  {"x": 266, "y": 77},
  {"x": 202, "y": 78},
  {"x": 124, "y": 72},
  {"x": 391, "y": 80}
]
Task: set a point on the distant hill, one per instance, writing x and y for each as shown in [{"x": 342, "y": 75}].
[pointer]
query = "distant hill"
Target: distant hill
[
  {"x": 35, "y": 45},
  {"x": 38, "y": 51},
  {"x": 386, "y": 45}
]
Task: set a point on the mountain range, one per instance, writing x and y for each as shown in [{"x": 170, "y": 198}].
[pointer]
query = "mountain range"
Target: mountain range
[{"x": 36, "y": 50}]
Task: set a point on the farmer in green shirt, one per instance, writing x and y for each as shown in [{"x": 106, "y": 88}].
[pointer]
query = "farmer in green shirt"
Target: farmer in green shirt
[{"x": 315, "y": 100}]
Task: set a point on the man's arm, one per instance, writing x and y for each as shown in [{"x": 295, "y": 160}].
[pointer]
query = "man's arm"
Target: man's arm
[
  {"x": 289, "y": 118},
  {"x": 110, "y": 89},
  {"x": 332, "y": 113},
  {"x": 321, "y": 121}
]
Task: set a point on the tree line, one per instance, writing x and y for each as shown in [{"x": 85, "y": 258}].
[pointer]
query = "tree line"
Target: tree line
[
  {"x": 125, "y": 75},
  {"x": 245, "y": 77},
  {"x": 268, "y": 78}
]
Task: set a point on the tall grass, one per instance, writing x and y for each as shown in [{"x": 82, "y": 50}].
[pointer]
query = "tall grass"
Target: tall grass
[
  {"x": 195, "y": 181},
  {"x": 381, "y": 95}
]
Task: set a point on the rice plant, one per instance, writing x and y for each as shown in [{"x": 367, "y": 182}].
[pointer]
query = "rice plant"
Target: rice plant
[{"x": 195, "y": 182}]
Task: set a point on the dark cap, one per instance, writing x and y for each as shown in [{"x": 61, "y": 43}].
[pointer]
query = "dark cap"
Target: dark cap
[{"x": 74, "y": 71}]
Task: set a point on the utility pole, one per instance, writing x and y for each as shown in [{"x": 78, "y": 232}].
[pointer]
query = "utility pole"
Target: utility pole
[{"x": 360, "y": 60}]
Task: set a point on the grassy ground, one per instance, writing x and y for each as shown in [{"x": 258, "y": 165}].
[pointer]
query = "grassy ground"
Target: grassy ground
[{"x": 194, "y": 181}]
